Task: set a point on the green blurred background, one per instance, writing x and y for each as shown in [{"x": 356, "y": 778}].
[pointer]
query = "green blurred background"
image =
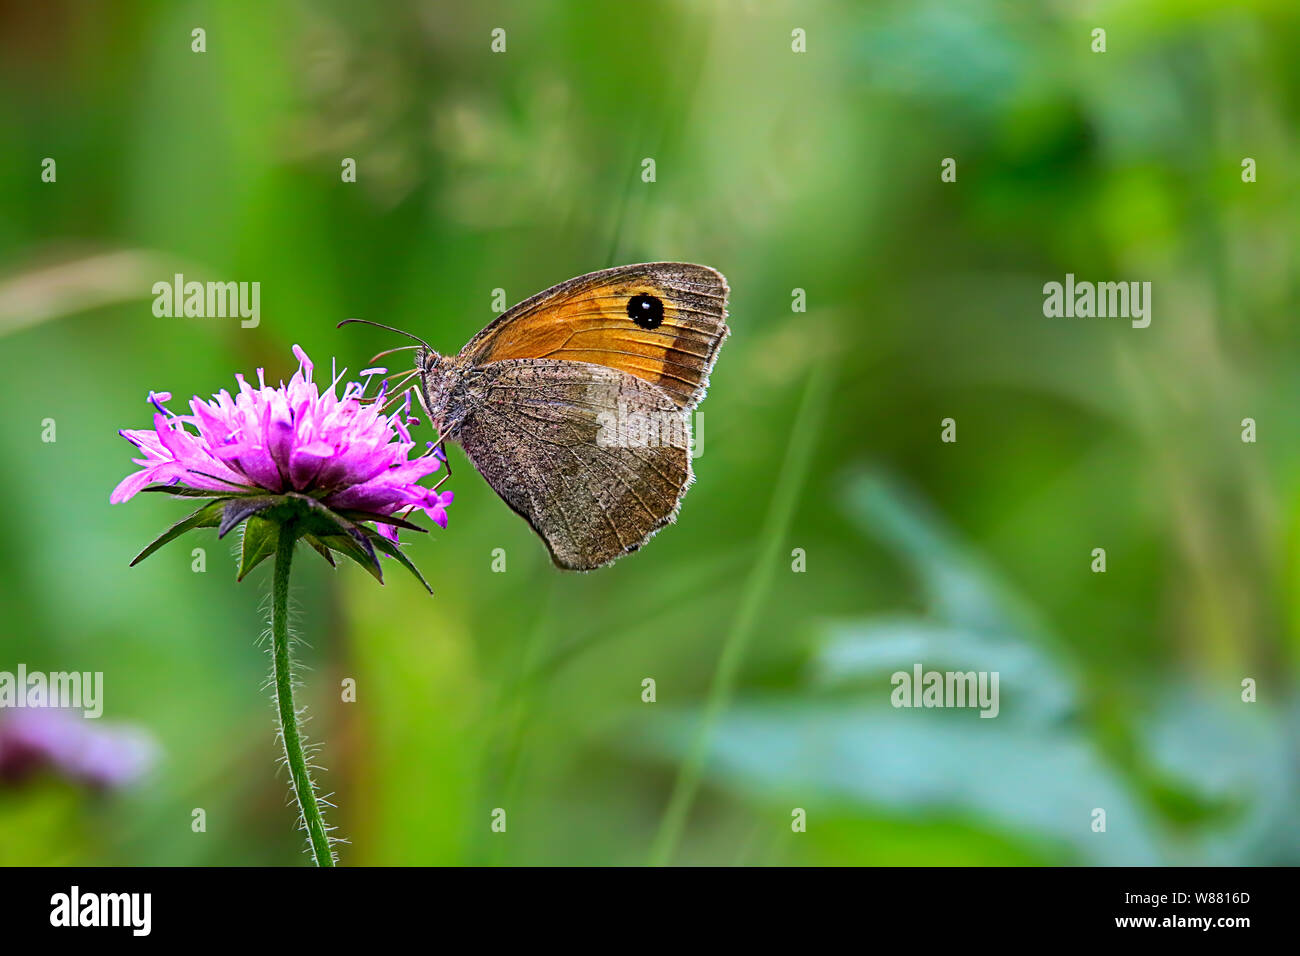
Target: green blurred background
[{"x": 818, "y": 171}]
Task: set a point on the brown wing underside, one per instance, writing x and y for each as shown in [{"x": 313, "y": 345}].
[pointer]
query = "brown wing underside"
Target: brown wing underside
[
  {"x": 565, "y": 445},
  {"x": 586, "y": 320}
]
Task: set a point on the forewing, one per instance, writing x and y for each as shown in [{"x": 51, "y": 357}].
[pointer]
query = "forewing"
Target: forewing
[{"x": 587, "y": 320}]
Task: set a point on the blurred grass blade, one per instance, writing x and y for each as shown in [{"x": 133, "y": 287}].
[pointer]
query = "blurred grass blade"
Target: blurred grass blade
[
  {"x": 41, "y": 293},
  {"x": 789, "y": 482}
]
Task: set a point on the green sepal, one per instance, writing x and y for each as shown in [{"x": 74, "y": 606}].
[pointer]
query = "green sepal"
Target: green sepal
[
  {"x": 345, "y": 545},
  {"x": 238, "y": 510},
  {"x": 265, "y": 515},
  {"x": 353, "y": 515},
  {"x": 260, "y": 539},
  {"x": 208, "y": 516},
  {"x": 393, "y": 551},
  {"x": 324, "y": 521},
  {"x": 182, "y": 491},
  {"x": 321, "y": 548}
]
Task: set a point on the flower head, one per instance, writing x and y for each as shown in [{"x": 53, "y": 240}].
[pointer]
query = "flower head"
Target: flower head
[{"x": 330, "y": 463}]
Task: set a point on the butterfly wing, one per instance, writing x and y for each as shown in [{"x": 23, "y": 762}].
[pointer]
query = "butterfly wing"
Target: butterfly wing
[
  {"x": 596, "y": 459},
  {"x": 662, "y": 322}
]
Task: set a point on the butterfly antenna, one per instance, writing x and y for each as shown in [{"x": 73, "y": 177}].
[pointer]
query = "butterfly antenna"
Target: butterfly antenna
[
  {"x": 389, "y": 328},
  {"x": 400, "y": 348}
]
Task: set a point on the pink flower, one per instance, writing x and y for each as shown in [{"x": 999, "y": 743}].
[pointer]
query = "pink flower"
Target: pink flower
[
  {"x": 340, "y": 450},
  {"x": 292, "y": 450}
]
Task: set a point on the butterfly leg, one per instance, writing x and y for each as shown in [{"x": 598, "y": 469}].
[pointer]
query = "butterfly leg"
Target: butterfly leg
[{"x": 441, "y": 446}]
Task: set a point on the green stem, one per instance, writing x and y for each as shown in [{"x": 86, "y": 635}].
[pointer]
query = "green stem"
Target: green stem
[{"x": 303, "y": 788}]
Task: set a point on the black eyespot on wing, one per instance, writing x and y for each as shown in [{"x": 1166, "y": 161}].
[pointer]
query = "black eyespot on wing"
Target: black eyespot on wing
[{"x": 646, "y": 311}]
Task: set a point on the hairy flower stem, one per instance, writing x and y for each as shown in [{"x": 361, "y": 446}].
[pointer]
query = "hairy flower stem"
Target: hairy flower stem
[{"x": 303, "y": 788}]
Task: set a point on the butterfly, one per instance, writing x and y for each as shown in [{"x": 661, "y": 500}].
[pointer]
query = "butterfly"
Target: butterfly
[{"x": 574, "y": 404}]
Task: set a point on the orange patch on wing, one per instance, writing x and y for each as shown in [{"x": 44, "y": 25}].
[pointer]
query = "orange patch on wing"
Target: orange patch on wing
[{"x": 587, "y": 320}]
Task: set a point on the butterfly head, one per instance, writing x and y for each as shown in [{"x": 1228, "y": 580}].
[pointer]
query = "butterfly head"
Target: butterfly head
[{"x": 440, "y": 375}]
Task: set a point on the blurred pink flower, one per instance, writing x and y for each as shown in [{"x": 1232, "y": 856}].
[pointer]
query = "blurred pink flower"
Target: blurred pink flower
[{"x": 67, "y": 744}]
